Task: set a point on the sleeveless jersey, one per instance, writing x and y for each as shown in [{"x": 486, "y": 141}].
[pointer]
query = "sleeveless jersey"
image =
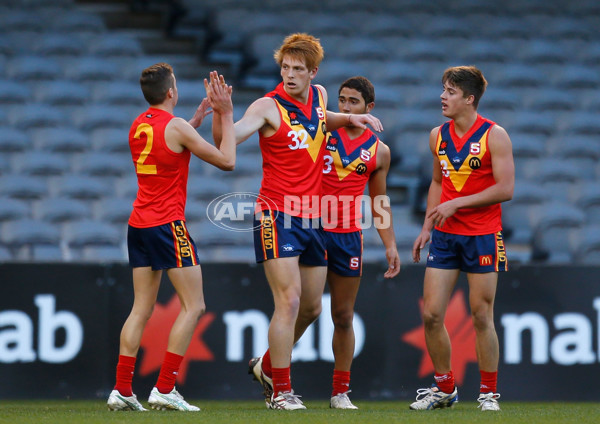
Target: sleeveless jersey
[
  {"x": 467, "y": 169},
  {"x": 347, "y": 168},
  {"x": 162, "y": 174},
  {"x": 293, "y": 156}
]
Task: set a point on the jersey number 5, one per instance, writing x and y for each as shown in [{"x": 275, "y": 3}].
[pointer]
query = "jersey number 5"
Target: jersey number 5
[{"x": 142, "y": 168}]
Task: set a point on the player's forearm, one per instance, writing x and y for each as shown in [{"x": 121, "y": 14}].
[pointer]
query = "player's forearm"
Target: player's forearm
[
  {"x": 492, "y": 195},
  {"x": 433, "y": 199},
  {"x": 227, "y": 144},
  {"x": 337, "y": 120},
  {"x": 217, "y": 131}
]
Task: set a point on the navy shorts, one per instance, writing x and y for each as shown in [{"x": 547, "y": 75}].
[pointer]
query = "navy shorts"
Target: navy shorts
[
  {"x": 285, "y": 236},
  {"x": 344, "y": 253},
  {"x": 164, "y": 247},
  {"x": 477, "y": 254}
]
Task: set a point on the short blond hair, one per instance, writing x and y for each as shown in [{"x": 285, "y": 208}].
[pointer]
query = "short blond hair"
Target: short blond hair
[{"x": 303, "y": 47}]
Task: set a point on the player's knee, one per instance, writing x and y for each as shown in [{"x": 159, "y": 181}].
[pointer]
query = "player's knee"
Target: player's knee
[
  {"x": 342, "y": 318},
  {"x": 482, "y": 319},
  {"x": 432, "y": 320}
]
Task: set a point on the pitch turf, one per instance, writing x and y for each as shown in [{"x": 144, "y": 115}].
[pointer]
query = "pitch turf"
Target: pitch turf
[{"x": 95, "y": 412}]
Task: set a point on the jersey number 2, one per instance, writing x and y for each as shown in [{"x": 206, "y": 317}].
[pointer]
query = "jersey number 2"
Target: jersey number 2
[{"x": 142, "y": 168}]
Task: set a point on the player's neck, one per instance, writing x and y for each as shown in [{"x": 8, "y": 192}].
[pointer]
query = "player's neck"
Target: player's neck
[
  {"x": 464, "y": 122},
  {"x": 164, "y": 106},
  {"x": 354, "y": 132},
  {"x": 301, "y": 98}
]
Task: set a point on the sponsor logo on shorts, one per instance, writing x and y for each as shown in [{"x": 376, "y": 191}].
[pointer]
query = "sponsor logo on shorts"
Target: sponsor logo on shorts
[
  {"x": 287, "y": 248},
  {"x": 485, "y": 260}
]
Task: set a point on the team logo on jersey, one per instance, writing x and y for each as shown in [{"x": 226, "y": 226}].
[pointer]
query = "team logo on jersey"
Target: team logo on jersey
[
  {"x": 365, "y": 155},
  {"x": 293, "y": 118},
  {"x": 475, "y": 148},
  {"x": 475, "y": 163},
  {"x": 442, "y": 149},
  {"x": 331, "y": 144},
  {"x": 361, "y": 168}
]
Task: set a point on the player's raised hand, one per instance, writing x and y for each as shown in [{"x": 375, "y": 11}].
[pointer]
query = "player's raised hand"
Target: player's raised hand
[
  {"x": 219, "y": 93},
  {"x": 202, "y": 111},
  {"x": 364, "y": 119}
]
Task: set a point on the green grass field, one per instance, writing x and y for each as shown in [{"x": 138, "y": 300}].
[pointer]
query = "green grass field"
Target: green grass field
[{"x": 95, "y": 412}]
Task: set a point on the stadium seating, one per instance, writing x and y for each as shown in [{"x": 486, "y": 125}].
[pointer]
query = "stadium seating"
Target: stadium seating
[{"x": 69, "y": 91}]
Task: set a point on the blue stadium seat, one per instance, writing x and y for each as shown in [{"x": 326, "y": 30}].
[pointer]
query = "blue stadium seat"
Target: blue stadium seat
[
  {"x": 92, "y": 69},
  {"x": 46, "y": 253},
  {"x": 101, "y": 164},
  {"x": 33, "y": 68},
  {"x": 111, "y": 140},
  {"x": 13, "y": 209},
  {"x": 91, "y": 233},
  {"x": 60, "y": 209},
  {"x": 62, "y": 92},
  {"x": 35, "y": 115},
  {"x": 518, "y": 76},
  {"x": 498, "y": 100},
  {"x": 13, "y": 140},
  {"x": 64, "y": 139},
  {"x": 551, "y": 99},
  {"x": 22, "y": 186},
  {"x": 77, "y": 21},
  {"x": 114, "y": 210},
  {"x": 583, "y": 123},
  {"x": 531, "y": 122},
  {"x": 29, "y": 232},
  {"x": 21, "y": 20},
  {"x": 41, "y": 163},
  {"x": 59, "y": 44},
  {"x": 13, "y": 92},
  {"x": 539, "y": 51},
  {"x": 122, "y": 93},
  {"x": 398, "y": 73},
  {"x": 115, "y": 45},
  {"x": 576, "y": 77},
  {"x": 82, "y": 187},
  {"x": 555, "y": 232},
  {"x": 103, "y": 254},
  {"x": 588, "y": 200},
  {"x": 5, "y": 255},
  {"x": 484, "y": 50},
  {"x": 98, "y": 115},
  {"x": 586, "y": 250},
  {"x": 207, "y": 188},
  {"x": 528, "y": 145}
]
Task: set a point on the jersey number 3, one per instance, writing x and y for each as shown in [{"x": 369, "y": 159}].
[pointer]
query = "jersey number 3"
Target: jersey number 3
[{"x": 142, "y": 168}]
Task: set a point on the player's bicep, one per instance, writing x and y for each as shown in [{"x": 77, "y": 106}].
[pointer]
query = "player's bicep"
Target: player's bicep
[
  {"x": 500, "y": 146},
  {"x": 259, "y": 114}
]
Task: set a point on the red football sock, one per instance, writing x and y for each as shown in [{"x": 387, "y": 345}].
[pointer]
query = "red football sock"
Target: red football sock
[
  {"x": 281, "y": 380},
  {"x": 341, "y": 382},
  {"x": 266, "y": 364},
  {"x": 125, "y": 369},
  {"x": 489, "y": 382},
  {"x": 168, "y": 372},
  {"x": 445, "y": 382}
]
